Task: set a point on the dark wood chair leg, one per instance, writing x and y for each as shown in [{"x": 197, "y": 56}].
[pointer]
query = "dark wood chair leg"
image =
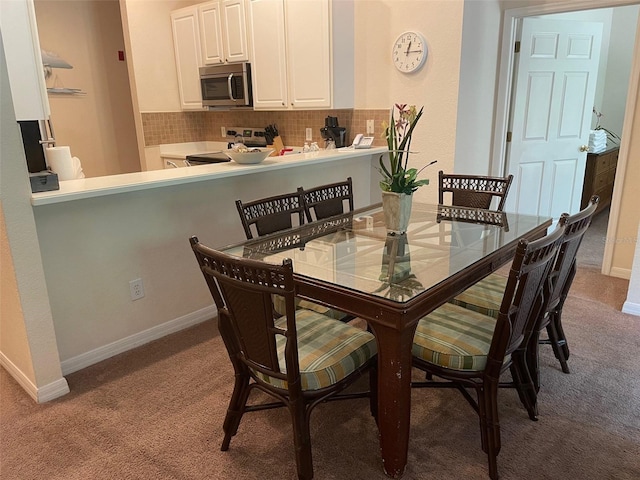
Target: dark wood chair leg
[
  {"x": 532, "y": 359},
  {"x": 490, "y": 425},
  {"x": 523, "y": 384},
  {"x": 301, "y": 439},
  {"x": 235, "y": 410},
  {"x": 558, "y": 340}
]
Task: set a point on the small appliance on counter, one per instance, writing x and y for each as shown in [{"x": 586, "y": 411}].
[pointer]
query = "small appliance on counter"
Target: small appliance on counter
[
  {"x": 251, "y": 137},
  {"x": 331, "y": 132},
  {"x": 205, "y": 158}
]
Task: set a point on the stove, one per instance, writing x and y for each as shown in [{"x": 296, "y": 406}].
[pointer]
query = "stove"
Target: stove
[
  {"x": 207, "y": 158},
  {"x": 251, "y": 137}
]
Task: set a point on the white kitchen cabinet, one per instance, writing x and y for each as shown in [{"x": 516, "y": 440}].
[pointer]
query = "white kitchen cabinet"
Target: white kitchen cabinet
[
  {"x": 186, "y": 44},
  {"x": 223, "y": 32},
  {"x": 24, "y": 60},
  {"x": 302, "y": 54}
]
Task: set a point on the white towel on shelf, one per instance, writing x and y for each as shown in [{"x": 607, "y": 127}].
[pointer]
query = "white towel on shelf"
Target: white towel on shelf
[
  {"x": 77, "y": 168},
  {"x": 597, "y": 141}
]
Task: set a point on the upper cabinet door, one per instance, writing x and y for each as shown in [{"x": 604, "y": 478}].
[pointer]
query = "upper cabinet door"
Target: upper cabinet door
[
  {"x": 24, "y": 60},
  {"x": 269, "y": 61},
  {"x": 211, "y": 33},
  {"x": 234, "y": 25},
  {"x": 309, "y": 53},
  {"x": 223, "y": 32},
  {"x": 186, "y": 43}
]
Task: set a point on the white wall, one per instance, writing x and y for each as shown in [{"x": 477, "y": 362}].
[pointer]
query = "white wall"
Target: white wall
[
  {"x": 478, "y": 66},
  {"x": 28, "y": 348},
  {"x": 379, "y": 85},
  {"x": 98, "y": 126},
  {"x": 620, "y": 57},
  {"x": 92, "y": 248}
]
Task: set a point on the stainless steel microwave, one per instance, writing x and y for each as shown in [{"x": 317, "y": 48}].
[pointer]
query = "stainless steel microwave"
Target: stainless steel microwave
[{"x": 226, "y": 86}]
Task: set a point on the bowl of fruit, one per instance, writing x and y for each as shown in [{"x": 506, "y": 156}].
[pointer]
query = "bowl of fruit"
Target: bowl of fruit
[{"x": 247, "y": 155}]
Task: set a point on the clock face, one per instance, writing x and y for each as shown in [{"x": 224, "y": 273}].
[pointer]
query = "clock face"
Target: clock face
[{"x": 409, "y": 52}]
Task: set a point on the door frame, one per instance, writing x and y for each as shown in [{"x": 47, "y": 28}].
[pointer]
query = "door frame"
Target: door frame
[{"x": 505, "y": 85}]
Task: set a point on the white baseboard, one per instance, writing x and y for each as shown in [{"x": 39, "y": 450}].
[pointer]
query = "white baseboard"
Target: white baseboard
[
  {"x": 106, "y": 351},
  {"x": 43, "y": 394},
  {"x": 631, "y": 308},
  {"x": 621, "y": 273}
]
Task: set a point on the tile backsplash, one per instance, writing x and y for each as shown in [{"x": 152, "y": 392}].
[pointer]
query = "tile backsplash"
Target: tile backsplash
[{"x": 180, "y": 127}]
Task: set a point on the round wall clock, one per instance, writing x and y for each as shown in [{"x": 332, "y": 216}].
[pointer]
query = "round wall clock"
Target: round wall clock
[{"x": 409, "y": 52}]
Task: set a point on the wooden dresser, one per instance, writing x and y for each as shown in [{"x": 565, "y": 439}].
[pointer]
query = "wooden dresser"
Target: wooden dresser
[{"x": 599, "y": 177}]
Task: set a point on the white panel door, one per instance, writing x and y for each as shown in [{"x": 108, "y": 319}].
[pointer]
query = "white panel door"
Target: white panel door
[{"x": 551, "y": 116}]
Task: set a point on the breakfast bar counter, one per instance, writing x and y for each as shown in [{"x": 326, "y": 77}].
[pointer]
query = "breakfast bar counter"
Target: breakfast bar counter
[{"x": 130, "y": 182}]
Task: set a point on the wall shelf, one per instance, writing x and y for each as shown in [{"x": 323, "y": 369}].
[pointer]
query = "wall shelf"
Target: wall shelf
[{"x": 66, "y": 91}]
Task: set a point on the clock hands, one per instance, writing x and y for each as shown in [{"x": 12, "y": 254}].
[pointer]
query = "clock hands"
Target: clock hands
[{"x": 408, "y": 48}]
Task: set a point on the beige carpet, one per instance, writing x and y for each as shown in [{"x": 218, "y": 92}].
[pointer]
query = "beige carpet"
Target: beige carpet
[{"x": 156, "y": 413}]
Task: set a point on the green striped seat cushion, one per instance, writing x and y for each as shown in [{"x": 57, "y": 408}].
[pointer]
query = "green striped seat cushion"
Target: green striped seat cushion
[
  {"x": 454, "y": 337},
  {"x": 328, "y": 350},
  {"x": 281, "y": 309},
  {"x": 485, "y": 296}
]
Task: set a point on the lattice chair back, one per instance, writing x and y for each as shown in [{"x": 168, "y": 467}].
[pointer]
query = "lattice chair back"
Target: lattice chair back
[
  {"x": 242, "y": 290},
  {"x": 525, "y": 295},
  {"x": 271, "y": 214},
  {"x": 565, "y": 267},
  {"x": 327, "y": 200},
  {"x": 473, "y": 191}
]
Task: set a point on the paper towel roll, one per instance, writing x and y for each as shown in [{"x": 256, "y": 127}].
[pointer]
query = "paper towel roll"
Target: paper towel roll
[{"x": 60, "y": 161}]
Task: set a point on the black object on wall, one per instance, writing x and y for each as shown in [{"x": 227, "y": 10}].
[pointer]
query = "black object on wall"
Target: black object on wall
[{"x": 32, "y": 147}]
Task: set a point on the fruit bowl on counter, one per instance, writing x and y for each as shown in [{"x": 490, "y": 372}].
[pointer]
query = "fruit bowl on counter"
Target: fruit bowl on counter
[{"x": 248, "y": 156}]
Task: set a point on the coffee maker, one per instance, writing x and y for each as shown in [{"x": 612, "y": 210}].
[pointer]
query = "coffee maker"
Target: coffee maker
[{"x": 332, "y": 132}]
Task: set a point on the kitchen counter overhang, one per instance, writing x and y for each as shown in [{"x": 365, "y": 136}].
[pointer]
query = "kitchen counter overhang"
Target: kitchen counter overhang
[{"x": 129, "y": 182}]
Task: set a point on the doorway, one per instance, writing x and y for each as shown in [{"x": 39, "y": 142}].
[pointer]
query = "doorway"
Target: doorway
[{"x": 500, "y": 155}]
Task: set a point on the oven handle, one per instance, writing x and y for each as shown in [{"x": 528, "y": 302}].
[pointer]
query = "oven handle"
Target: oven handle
[{"x": 229, "y": 87}]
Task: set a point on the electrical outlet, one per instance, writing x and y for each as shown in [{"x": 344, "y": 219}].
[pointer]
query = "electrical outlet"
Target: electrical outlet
[
  {"x": 308, "y": 136},
  {"x": 136, "y": 289},
  {"x": 223, "y": 132},
  {"x": 369, "y": 127}
]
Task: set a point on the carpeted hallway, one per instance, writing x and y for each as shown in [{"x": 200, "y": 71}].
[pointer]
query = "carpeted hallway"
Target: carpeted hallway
[{"x": 156, "y": 413}]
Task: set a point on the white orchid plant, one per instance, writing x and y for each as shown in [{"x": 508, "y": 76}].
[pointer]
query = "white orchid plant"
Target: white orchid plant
[{"x": 396, "y": 175}]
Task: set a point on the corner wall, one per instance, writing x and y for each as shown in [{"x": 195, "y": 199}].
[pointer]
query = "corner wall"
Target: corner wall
[{"x": 28, "y": 348}]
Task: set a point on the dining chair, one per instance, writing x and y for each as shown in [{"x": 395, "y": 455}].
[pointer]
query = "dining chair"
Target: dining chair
[
  {"x": 272, "y": 214},
  {"x": 484, "y": 297},
  {"x": 275, "y": 214},
  {"x": 300, "y": 360},
  {"x": 469, "y": 350},
  {"x": 473, "y": 191},
  {"x": 327, "y": 200}
]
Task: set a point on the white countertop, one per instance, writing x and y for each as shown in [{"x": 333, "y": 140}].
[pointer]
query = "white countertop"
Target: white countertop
[{"x": 129, "y": 182}]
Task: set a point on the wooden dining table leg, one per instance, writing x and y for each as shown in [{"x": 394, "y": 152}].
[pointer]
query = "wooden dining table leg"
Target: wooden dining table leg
[{"x": 394, "y": 396}]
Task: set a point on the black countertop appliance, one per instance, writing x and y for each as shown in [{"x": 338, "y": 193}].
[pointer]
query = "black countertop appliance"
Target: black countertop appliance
[{"x": 331, "y": 131}]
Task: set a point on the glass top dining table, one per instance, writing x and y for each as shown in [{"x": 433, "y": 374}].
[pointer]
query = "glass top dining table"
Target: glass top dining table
[{"x": 351, "y": 263}]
